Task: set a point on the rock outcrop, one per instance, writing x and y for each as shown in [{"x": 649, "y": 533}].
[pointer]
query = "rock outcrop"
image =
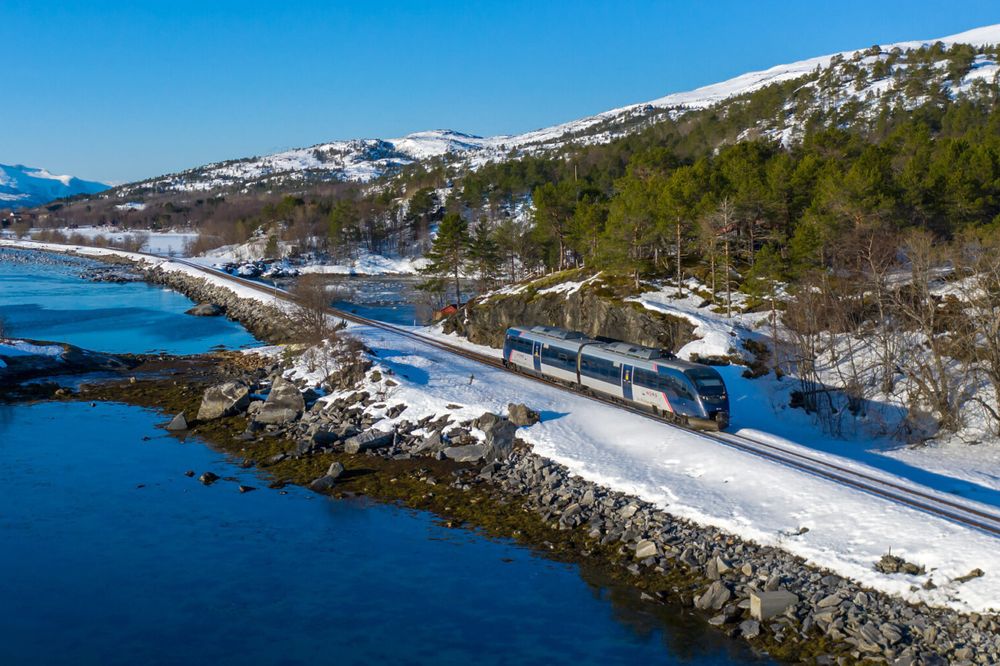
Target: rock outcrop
[{"x": 484, "y": 321}]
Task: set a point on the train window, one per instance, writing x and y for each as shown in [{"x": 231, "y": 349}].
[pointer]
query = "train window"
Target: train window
[
  {"x": 679, "y": 387},
  {"x": 709, "y": 382},
  {"x": 520, "y": 345},
  {"x": 599, "y": 368},
  {"x": 563, "y": 359},
  {"x": 660, "y": 382}
]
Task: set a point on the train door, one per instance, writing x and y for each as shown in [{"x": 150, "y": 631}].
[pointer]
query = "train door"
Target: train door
[
  {"x": 536, "y": 355},
  {"x": 627, "y": 381}
]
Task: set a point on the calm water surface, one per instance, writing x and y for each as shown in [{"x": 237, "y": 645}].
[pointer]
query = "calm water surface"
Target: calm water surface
[
  {"x": 43, "y": 298},
  {"x": 111, "y": 555}
]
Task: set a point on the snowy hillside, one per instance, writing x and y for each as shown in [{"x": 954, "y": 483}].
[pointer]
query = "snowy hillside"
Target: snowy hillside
[
  {"x": 22, "y": 186},
  {"x": 871, "y": 78}
]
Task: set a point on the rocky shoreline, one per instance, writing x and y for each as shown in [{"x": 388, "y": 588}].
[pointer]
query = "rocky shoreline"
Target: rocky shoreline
[
  {"x": 775, "y": 601},
  {"x": 772, "y": 599}
]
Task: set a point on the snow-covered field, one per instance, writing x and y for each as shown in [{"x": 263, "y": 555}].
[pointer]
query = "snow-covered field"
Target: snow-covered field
[
  {"x": 710, "y": 483},
  {"x": 365, "y": 263},
  {"x": 167, "y": 243}
]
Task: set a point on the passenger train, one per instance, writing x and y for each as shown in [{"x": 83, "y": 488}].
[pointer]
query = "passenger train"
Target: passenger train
[{"x": 651, "y": 378}]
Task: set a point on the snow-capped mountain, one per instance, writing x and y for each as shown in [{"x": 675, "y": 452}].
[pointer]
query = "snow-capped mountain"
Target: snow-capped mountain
[
  {"x": 869, "y": 78},
  {"x": 22, "y": 186}
]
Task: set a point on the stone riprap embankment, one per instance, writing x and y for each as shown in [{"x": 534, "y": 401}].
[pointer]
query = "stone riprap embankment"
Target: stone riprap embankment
[
  {"x": 763, "y": 594},
  {"x": 265, "y": 322}
]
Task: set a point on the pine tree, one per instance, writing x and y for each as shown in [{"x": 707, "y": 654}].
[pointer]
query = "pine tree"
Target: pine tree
[
  {"x": 484, "y": 254},
  {"x": 449, "y": 254}
]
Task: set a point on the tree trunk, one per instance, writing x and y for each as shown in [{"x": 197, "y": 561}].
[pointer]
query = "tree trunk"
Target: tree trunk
[
  {"x": 729, "y": 293},
  {"x": 680, "y": 285}
]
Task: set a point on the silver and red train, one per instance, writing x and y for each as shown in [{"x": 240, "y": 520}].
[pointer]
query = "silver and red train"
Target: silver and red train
[{"x": 685, "y": 392}]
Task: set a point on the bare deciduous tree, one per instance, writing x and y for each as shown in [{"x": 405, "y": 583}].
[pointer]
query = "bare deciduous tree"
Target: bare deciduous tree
[
  {"x": 311, "y": 319},
  {"x": 926, "y": 337}
]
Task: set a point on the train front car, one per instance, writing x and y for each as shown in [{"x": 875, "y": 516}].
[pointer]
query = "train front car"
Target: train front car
[{"x": 712, "y": 392}]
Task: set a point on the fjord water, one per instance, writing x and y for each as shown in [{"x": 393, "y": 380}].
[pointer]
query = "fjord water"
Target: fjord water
[
  {"x": 111, "y": 555},
  {"x": 42, "y": 297}
]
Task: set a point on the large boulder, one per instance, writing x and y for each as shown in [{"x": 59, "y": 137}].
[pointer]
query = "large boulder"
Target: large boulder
[
  {"x": 467, "y": 453},
  {"x": 369, "y": 439},
  {"x": 284, "y": 403},
  {"x": 178, "y": 423},
  {"x": 205, "y": 310},
  {"x": 500, "y": 440},
  {"x": 224, "y": 400},
  {"x": 715, "y": 597},
  {"x": 521, "y": 415}
]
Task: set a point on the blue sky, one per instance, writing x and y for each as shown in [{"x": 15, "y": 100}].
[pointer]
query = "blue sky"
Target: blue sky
[{"x": 119, "y": 91}]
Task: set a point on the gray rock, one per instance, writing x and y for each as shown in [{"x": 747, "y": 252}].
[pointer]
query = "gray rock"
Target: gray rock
[
  {"x": 284, "y": 404},
  {"x": 323, "y": 484},
  {"x": 335, "y": 471},
  {"x": 178, "y": 423},
  {"x": 765, "y": 605},
  {"x": 325, "y": 436},
  {"x": 486, "y": 421},
  {"x": 520, "y": 415},
  {"x": 224, "y": 400},
  {"x": 750, "y": 628},
  {"x": 205, "y": 310},
  {"x": 831, "y": 600},
  {"x": 368, "y": 440},
  {"x": 431, "y": 444},
  {"x": 500, "y": 440},
  {"x": 467, "y": 453},
  {"x": 715, "y": 597},
  {"x": 645, "y": 549}
]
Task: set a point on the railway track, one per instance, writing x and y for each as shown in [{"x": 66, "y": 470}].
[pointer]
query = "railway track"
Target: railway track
[
  {"x": 926, "y": 500},
  {"x": 923, "y": 499}
]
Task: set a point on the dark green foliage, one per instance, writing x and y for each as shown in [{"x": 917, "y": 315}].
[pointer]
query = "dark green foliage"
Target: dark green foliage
[{"x": 449, "y": 255}]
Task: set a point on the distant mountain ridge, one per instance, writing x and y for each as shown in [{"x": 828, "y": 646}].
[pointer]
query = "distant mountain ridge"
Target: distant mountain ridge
[
  {"x": 830, "y": 83},
  {"x": 25, "y": 187}
]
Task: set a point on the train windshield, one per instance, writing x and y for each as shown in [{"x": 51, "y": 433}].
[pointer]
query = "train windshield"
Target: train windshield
[{"x": 709, "y": 382}]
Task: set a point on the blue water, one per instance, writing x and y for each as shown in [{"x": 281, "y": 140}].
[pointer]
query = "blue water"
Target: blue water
[
  {"x": 43, "y": 298},
  {"x": 110, "y": 555}
]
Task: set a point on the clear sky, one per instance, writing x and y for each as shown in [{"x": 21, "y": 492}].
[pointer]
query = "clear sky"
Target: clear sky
[{"x": 118, "y": 91}]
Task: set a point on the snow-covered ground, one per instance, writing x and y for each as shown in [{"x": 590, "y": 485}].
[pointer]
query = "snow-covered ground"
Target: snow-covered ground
[
  {"x": 11, "y": 347},
  {"x": 365, "y": 263},
  {"x": 167, "y": 243},
  {"x": 708, "y": 482}
]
